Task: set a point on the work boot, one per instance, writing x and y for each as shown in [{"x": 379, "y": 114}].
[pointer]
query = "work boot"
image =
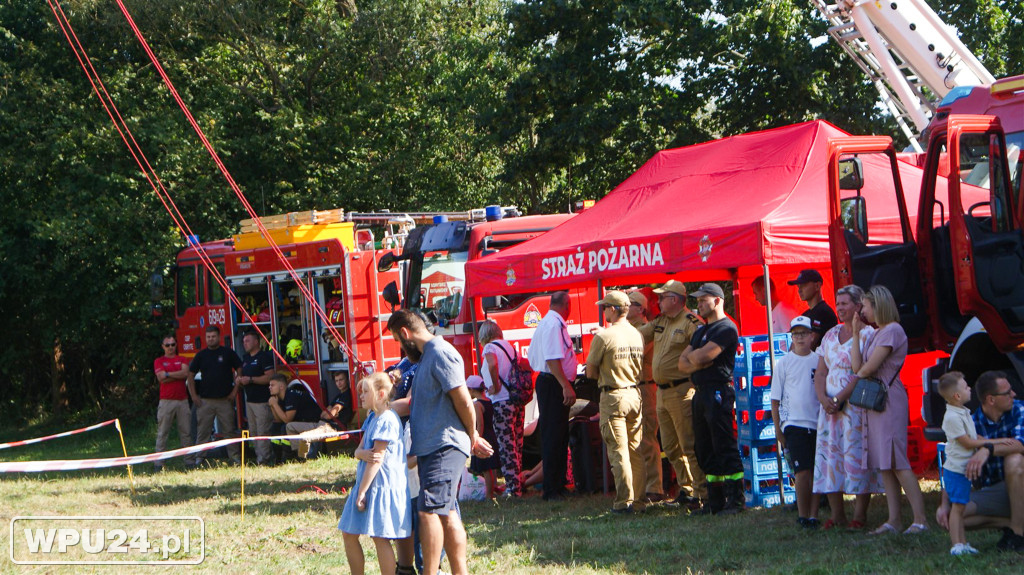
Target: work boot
[
  {"x": 314, "y": 450},
  {"x": 716, "y": 498},
  {"x": 735, "y": 499}
]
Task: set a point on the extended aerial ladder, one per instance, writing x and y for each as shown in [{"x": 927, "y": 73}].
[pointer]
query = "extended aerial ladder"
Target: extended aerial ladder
[{"x": 910, "y": 55}]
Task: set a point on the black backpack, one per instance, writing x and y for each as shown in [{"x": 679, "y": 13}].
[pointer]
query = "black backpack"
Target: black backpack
[{"x": 519, "y": 381}]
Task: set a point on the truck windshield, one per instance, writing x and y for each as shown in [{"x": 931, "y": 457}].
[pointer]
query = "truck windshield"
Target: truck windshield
[
  {"x": 1014, "y": 148},
  {"x": 443, "y": 282}
]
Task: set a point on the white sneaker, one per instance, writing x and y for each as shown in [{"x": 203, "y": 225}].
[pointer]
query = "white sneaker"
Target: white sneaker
[{"x": 962, "y": 549}]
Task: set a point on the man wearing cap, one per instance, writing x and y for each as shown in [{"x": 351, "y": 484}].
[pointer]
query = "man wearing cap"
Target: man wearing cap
[
  {"x": 710, "y": 359},
  {"x": 650, "y": 449},
  {"x": 670, "y": 333},
  {"x": 616, "y": 361},
  {"x": 553, "y": 358},
  {"x": 823, "y": 317}
]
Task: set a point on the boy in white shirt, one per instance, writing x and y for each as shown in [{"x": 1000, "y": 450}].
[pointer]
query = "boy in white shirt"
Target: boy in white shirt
[{"x": 795, "y": 413}]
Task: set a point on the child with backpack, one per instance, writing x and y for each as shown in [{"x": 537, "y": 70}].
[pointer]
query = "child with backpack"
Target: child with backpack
[
  {"x": 378, "y": 504},
  {"x": 501, "y": 365}
]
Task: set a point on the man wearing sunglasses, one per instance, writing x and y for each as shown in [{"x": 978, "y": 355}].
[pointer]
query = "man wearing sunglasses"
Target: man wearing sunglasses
[
  {"x": 997, "y": 468},
  {"x": 171, "y": 370}
]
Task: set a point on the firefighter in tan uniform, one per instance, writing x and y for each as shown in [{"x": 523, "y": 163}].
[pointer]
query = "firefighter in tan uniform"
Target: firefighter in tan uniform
[
  {"x": 650, "y": 449},
  {"x": 671, "y": 332},
  {"x": 616, "y": 360}
]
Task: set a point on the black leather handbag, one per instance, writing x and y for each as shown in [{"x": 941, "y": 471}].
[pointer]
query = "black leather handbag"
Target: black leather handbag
[{"x": 871, "y": 393}]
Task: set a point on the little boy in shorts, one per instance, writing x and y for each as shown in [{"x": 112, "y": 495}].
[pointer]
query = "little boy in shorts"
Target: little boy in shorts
[
  {"x": 961, "y": 441},
  {"x": 795, "y": 413}
]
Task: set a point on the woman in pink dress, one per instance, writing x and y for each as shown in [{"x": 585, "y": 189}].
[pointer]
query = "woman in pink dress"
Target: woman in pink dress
[
  {"x": 882, "y": 359},
  {"x": 840, "y": 461}
]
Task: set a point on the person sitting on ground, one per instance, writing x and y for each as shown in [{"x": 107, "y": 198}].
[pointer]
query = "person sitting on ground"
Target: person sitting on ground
[
  {"x": 961, "y": 441},
  {"x": 795, "y": 413},
  {"x": 294, "y": 406},
  {"x": 997, "y": 468},
  {"x": 484, "y": 466}
]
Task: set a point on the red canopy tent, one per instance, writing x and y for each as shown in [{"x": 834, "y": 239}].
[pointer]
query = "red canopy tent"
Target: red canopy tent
[{"x": 704, "y": 212}]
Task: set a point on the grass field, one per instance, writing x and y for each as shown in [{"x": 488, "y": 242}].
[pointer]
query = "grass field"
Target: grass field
[{"x": 289, "y": 527}]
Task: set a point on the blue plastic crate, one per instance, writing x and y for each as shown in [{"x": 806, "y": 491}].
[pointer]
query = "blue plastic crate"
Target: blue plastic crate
[
  {"x": 769, "y": 499},
  {"x": 761, "y": 462},
  {"x": 754, "y": 398},
  {"x": 765, "y": 492},
  {"x": 755, "y": 425}
]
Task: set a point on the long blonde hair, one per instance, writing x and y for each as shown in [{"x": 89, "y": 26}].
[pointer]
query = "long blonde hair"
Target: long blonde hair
[
  {"x": 380, "y": 381},
  {"x": 884, "y": 305}
]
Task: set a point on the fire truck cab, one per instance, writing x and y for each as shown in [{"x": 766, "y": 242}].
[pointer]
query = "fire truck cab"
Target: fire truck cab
[
  {"x": 434, "y": 259},
  {"x": 958, "y": 279}
]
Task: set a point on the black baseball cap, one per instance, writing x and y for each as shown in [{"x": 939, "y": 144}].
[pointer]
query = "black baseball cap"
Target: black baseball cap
[
  {"x": 710, "y": 289},
  {"x": 806, "y": 276}
]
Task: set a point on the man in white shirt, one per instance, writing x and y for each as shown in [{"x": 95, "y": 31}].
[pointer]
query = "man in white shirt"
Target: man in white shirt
[
  {"x": 782, "y": 314},
  {"x": 553, "y": 358}
]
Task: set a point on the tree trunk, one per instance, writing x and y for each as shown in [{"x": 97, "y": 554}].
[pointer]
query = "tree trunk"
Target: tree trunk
[{"x": 58, "y": 383}]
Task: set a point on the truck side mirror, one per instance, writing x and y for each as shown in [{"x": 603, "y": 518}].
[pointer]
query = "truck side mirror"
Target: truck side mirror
[
  {"x": 854, "y": 214},
  {"x": 156, "y": 287},
  {"x": 387, "y": 261},
  {"x": 390, "y": 295},
  {"x": 851, "y": 174}
]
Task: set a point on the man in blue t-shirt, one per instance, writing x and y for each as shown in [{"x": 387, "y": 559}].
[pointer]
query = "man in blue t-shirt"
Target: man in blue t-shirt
[
  {"x": 709, "y": 360},
  {"x": 443, "y": 430},
  {"x": 214, "y": 395},
  {"x": 254, "y": 378}
]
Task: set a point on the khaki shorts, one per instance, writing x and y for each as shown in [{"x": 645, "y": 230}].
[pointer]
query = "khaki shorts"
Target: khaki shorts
[{"x": 992, "y": 501}]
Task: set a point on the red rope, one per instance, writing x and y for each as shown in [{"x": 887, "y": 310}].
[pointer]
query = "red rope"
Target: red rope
[
  {"x": 234, "y": 186},
  {"x": 143, "y": 162}
]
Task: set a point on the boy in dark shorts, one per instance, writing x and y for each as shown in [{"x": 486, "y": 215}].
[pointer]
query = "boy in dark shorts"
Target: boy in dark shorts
[{"x": 795, "y": 413}]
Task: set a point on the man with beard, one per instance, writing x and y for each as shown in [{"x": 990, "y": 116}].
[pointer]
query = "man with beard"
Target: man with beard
[
  {"x": 709, "y": 360},
  {"x": 443, "y": 430}
]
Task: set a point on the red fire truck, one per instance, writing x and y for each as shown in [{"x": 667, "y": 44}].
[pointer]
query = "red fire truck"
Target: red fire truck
[
  {"x": 358, "y": 284},
  {"x": 958, "y": 278}
]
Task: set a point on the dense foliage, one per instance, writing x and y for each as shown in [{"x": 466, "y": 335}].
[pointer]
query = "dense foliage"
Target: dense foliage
[{"x": 399, "y": 104}]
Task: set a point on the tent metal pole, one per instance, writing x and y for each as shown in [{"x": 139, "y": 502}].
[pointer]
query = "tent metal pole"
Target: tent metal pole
[{"x": 771, "y": 365}]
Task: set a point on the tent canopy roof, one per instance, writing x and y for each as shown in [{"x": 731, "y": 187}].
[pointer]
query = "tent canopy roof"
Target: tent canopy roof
[{"x": 751, "y": 199}]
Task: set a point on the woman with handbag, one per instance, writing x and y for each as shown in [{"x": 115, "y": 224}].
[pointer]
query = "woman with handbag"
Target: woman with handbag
[
  {"x": 882, "y": 359},
  {"x": 840, "y": 461},
  {"x": 498, "y": 356}
]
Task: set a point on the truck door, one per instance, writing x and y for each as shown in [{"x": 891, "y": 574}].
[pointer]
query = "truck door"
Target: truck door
[
  {"x": 869, "y": 228},
  {"x": 985, "y": 236}
]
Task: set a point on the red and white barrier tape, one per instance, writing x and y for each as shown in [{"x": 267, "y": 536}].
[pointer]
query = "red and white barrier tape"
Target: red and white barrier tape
[
  {"x": 55, "y": 436},
  {"x": 75, "y": 464}
]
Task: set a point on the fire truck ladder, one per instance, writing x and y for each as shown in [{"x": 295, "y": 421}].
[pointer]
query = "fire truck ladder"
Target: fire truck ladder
[{"x": 910, "y": 55}]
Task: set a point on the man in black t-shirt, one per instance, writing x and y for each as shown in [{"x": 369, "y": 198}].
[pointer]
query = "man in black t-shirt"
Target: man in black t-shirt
[
  {"x": 214, "y": 395},
  {"x": 823, "y": 317},
  {"x": 709, "y": 360},
  {"x": 254, "y": 379},
  {"x": 294, "y": 406}
]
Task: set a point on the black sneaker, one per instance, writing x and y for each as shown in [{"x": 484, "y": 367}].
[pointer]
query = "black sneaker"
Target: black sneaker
[
  {"x": 1010, "y": 541},
  {"x": 808, "y": 522},
  {"x": 628, "y": 510}
]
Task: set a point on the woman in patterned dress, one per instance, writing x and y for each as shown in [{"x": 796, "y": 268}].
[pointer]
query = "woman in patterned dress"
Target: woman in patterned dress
[{"x": 840, "y": 461}]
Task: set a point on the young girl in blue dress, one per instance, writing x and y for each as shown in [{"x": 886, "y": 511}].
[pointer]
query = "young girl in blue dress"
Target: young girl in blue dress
[{"x": 378, "y": 504}]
